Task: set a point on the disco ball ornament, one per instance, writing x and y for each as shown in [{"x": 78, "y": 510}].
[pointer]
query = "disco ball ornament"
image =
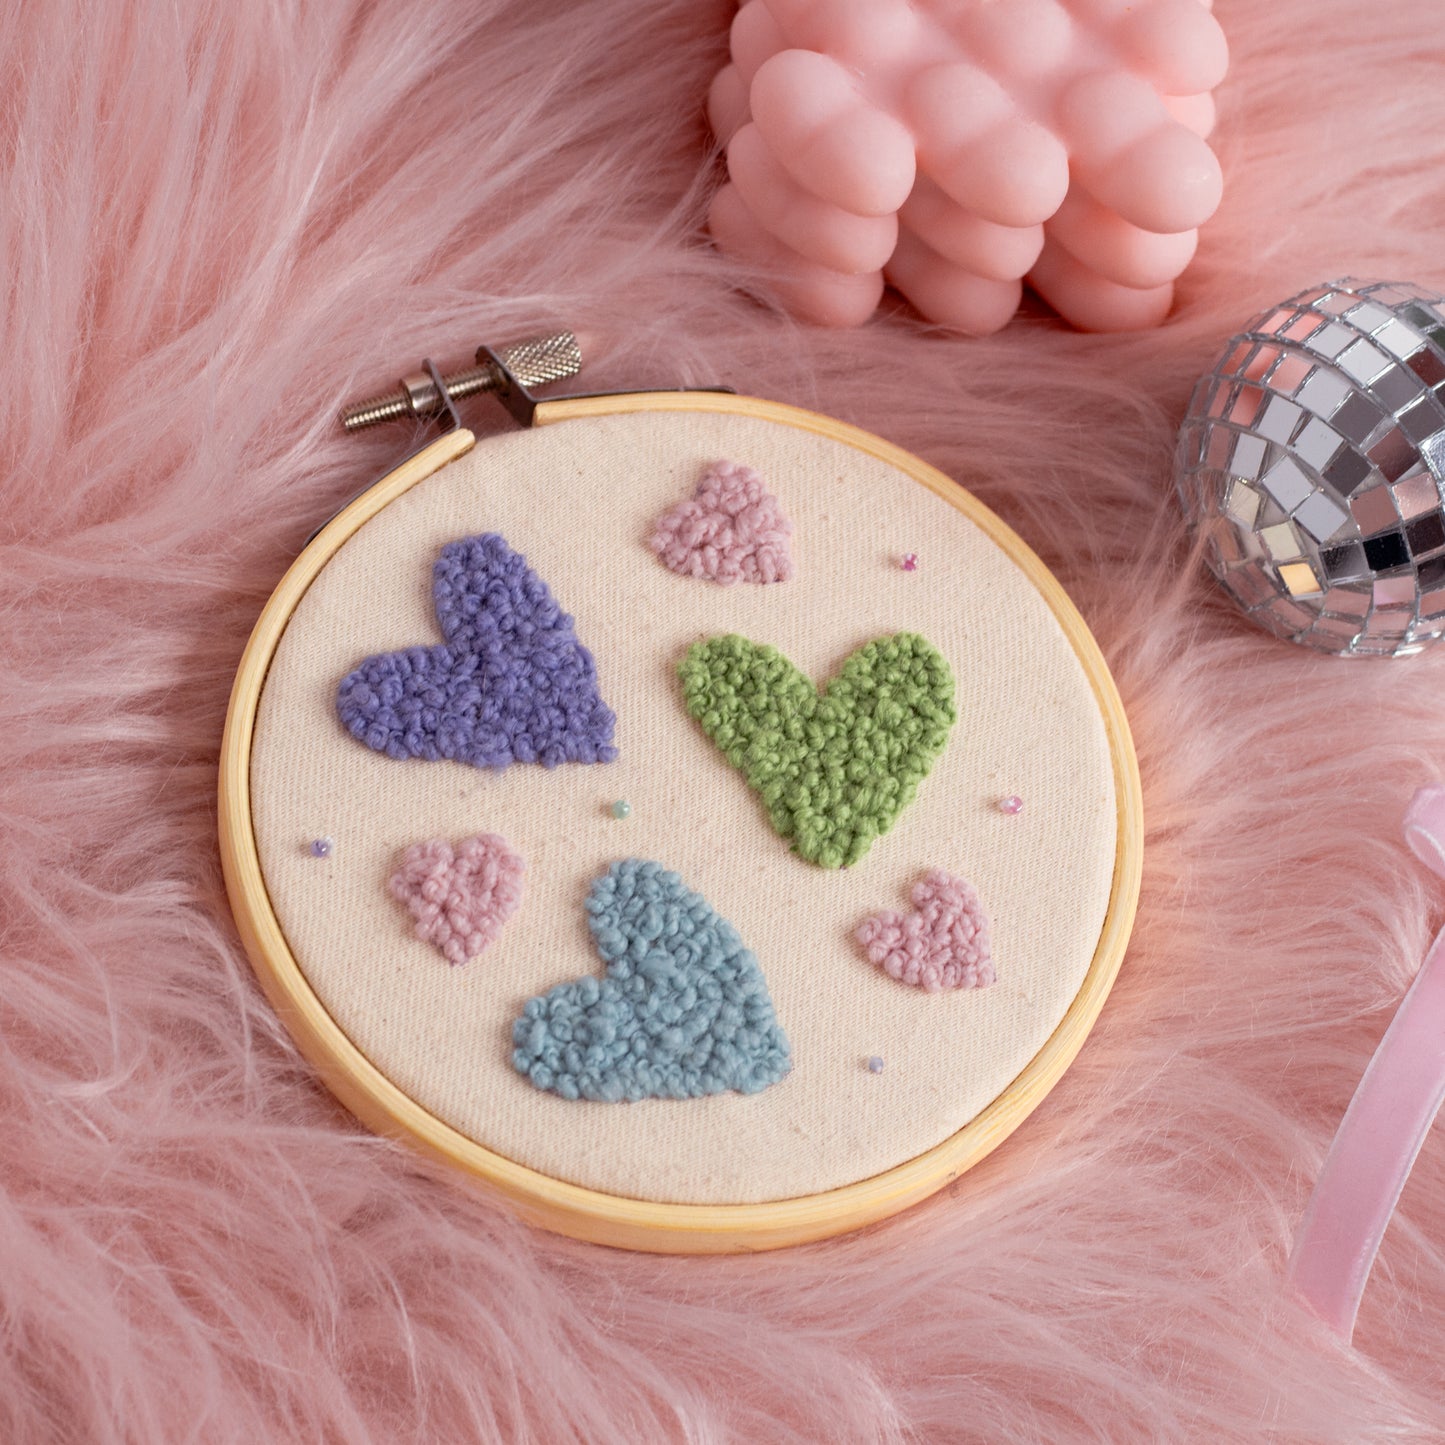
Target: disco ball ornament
[{"x": 1311, "y": 461}]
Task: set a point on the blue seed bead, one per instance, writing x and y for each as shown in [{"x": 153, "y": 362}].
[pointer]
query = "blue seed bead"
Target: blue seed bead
[
  {"x": 875, "y": 1065},
  {"x": 321, "y": 847},
  {"x": 622, "y": 809}
]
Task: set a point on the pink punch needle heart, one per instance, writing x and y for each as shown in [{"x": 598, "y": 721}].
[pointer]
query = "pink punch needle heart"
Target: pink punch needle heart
[
  {"x": 732, "y": 529},
  {"x": 943, "y": 943},
  {"x": 462, "y": 897}
]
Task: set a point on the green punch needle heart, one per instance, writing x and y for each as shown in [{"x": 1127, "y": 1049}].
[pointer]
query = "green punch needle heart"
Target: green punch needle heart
[{"x": 836, "y": 768}]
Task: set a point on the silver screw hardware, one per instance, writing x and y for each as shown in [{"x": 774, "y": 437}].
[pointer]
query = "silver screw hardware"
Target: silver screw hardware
[{"x": 531, "y": 363}]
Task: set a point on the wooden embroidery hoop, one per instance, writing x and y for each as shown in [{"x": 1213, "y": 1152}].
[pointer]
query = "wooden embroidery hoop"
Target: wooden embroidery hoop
[{"x": 566, "y": 1208}]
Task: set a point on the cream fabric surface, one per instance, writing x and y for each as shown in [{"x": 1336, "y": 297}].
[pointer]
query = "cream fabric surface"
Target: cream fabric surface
[{"x": 578, "y": 499}]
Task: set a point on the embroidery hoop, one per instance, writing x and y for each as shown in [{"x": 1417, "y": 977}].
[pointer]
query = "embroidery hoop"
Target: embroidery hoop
[{"x": 571, "y": 1209}]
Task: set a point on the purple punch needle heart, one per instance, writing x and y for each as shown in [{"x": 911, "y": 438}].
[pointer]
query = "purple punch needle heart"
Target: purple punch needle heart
[{"x": 511, "y": 684}]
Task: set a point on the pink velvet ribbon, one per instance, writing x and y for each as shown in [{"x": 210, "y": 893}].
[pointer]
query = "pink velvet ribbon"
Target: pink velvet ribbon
[{"x": 1385, "y": 1125}]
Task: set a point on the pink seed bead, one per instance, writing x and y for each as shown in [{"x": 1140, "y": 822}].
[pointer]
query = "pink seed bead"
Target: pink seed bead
[
  {"x": 1011, "y": 804},
  {"x": 910, "y": 562}
]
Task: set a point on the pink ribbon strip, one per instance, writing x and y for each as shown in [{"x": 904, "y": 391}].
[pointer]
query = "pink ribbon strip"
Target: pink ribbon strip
[{"x": 1385, "y": 1125}]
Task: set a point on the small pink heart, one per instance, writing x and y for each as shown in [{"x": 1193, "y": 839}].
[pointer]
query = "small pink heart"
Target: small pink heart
[
  {"x": 459, "y": 897},
  {"x": 732, "y": 529},
  {"x": 944, "y": 943}
]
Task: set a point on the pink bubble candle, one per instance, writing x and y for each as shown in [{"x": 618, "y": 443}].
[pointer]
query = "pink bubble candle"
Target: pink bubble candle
[{"x": 957, "y": 149}]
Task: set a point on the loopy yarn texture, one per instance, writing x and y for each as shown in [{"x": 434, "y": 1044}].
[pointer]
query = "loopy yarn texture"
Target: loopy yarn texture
[
  {"x": 460, "y": 897},
  {"x": 683, "y": 1010},
  {"x": 511, "y": 684},
  {"x": 834, "y": 770},
  {"x": 943, "y": 943},
  {"x": 732, "y": 529}
]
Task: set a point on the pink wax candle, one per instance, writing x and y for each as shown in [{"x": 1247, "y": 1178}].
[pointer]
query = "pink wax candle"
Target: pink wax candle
[{"x": 957, "y": 149}]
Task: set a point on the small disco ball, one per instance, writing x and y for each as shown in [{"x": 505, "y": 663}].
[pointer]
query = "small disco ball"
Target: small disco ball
[{"x": 1312, "y": 459}]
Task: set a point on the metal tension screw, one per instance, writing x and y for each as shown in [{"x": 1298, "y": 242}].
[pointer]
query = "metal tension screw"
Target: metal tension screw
[{"x": 530, "y": 363}]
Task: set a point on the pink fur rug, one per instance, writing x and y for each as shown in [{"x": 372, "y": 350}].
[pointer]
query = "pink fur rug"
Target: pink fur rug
[{"x": 223, "y": 219}]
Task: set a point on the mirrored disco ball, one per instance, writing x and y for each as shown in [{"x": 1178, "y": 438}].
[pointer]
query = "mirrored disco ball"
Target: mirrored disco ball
[{"x": 1312, "y": 458}]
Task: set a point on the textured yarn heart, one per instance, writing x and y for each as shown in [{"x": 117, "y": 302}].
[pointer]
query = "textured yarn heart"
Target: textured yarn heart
[
  {"x": 834, "y": 770},
  {"x": 511, "y": 684},
  {"x": 732, "y": 529},
  {"x": 682, "y": 1011},
  {"x": 943, "y": 943},
  {"x": 461, "y": 897}
]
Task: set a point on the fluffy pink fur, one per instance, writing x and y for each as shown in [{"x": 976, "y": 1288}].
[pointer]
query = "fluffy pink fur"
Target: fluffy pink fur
[
  {"x": 942, "y": 943},
  {"x": 221, "y": 220},
  {"x": 732, "y": 529},
  {"x": 460, "y": 898}
]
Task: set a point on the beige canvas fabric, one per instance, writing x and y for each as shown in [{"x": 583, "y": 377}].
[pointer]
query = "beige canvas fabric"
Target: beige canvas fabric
[{"x": 578, "y": 499}]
